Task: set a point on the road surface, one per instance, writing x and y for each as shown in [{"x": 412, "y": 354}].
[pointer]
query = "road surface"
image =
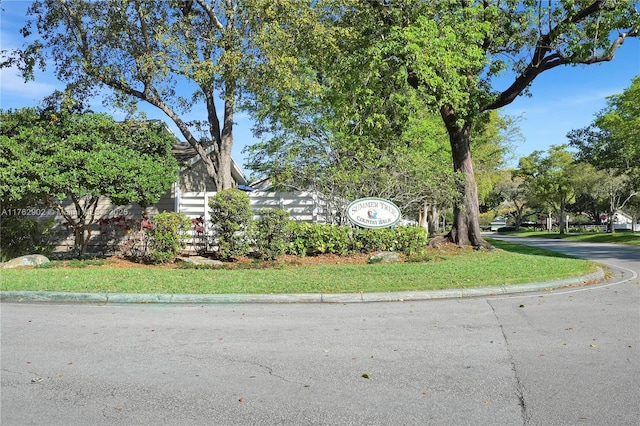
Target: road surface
[{"x": 568, "y": 357}]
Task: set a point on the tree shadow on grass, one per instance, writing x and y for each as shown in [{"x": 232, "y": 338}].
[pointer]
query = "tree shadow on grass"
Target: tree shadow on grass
[
  {"x": 571, "y": 249},
  {"x": 527, "y": 250}
]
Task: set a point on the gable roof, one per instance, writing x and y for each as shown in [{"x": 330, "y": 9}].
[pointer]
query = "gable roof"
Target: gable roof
[{"x": 187, "y": 156}]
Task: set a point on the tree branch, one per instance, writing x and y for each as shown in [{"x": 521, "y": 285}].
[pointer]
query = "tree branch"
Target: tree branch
[
  {"x": 212, "y": 16},
  {"x": 540, "y": 62}
]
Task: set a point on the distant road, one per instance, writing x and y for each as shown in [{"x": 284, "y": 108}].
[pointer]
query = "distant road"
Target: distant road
[{"x": 616, "y": 255}]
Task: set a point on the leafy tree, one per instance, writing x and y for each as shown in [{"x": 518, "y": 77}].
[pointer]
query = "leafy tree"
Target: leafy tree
[
  {"x": 54, "y": 155},
  {"x": 451, "y": 53},
  {"x": 633, "y": 208},
  {"x": 588, "y": 205},
  {"x": 612, "y": 141},
  {"x": 618, "y": 190},
  {"x": 340, "y": 137},
  {"x": 612, "y": 145},
  {"x": 511, "y": 191},
  {"x": 180, "y": 56},
  {"x": 455, "y": 50},
  {"x": 551, "y": 181},
  {"x": 328, "y": 163}
]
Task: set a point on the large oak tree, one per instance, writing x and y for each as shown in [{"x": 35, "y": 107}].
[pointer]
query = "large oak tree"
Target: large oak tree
[
  {"x": 455, "y": 51},
  {"x": 463, "y": 59}
]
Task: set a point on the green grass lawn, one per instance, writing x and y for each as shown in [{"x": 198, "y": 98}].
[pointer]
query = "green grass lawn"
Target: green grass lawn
[
  {"x": 631, "y": 238},
  {"x": 438, "y": 269}
]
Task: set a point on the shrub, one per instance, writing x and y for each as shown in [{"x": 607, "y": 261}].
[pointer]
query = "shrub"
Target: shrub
[
  {"x": 410, "y": 240},
  {"x": 316, "y": 238},
  {"x": 370, "y": 240},
  {"x": 167, "y": 236},
  {"x": 21, "y": 236},
  {"x": 313, "y": 239},
  {"x": 231, "y": 216},
  {"x": 270, "y": 233},
  {"x": 297, "y": 242}
]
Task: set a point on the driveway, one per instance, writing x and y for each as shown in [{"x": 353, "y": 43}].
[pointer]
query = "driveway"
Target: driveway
[{"x": 566, "y": 357}]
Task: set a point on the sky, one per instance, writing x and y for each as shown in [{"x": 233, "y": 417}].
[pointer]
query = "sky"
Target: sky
[{"x": 564, "y": 98}]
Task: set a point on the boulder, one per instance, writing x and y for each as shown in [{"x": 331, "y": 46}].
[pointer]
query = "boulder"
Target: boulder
[
  {"x": 199, "y": 260},
  {"x": 385, "y": 257},
  {"x": 28, "y": 260}
]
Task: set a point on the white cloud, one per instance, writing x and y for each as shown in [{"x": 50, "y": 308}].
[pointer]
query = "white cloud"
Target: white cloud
[{"x": 15, "y": 93}]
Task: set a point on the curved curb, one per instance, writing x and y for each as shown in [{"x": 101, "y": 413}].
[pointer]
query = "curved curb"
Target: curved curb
[{"x": 401, "y": 296}]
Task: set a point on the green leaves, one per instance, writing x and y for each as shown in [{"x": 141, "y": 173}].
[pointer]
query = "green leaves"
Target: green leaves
[
  {"x": 53, "y": 155},
  {"x": 552, "y": 181},
  {"x": 231, "y": 216},
  {"x": 611, "y": 144},
  {"x": 168, "y": 236}
]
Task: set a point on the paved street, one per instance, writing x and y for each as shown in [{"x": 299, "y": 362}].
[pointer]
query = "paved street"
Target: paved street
[{"x": 566, "y": 357}]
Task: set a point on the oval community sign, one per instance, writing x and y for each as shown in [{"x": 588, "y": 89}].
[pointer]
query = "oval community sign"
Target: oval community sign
[{"x": 373, "y": 213}]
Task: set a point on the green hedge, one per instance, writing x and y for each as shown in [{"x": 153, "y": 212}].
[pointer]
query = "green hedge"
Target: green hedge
[{"x": 305, "y": 239}]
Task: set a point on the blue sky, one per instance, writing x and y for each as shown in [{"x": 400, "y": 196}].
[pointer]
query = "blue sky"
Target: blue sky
[{"x": 564, "y": 98}]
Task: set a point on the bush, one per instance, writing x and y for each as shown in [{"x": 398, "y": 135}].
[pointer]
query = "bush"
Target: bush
[
  {"x": 297, "y": 241},
  {"x": 370, "y": 240},
  {"x": 313, "y": 239},
  {"x": 231, "y": 216},
  {"x": 21, "y": 236},
  {"x": 411, "y": 240},
  {"x": 332, "y": 239},
  {"x": 167, "y": 236},
  {"x": 270, "y": 233}
]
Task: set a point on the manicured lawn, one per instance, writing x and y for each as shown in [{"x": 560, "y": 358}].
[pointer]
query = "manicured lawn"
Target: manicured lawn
[
  {"x": 448, "y": 267},
  {"x": 631, "y": 238}
]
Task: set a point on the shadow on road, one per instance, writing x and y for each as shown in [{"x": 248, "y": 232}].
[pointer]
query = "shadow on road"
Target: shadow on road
[{"x": 564, "y": 248}]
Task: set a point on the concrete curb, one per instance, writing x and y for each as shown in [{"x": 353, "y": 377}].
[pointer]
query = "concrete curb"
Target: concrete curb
[{"x": 402, "y": 296}]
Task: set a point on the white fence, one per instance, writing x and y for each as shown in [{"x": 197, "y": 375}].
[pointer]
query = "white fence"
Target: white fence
[{"x": 301, "y": 206}]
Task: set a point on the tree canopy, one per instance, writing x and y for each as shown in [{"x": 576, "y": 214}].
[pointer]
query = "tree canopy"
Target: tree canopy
[
  {"x": 612, "y": 140},
  {"x": 187, "y": 58},
  {"x": 552, "y": 180},
  {"x": 54, "y": 155},
  {"x": 451, "y": 54},
  {"x": 611, "y": 144}
]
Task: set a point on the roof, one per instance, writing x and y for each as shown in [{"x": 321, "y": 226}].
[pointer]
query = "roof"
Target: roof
[{"x": 187, "y": 156}]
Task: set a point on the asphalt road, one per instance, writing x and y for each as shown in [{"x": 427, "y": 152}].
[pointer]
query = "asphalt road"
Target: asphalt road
[{"x": 567, "y": 357}]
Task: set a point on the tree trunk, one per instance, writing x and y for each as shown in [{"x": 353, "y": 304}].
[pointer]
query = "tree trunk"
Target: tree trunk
[
  {"x": 518, "y": 216},
  {"x": 422, "y": 218},
  {"x": 612, "y": 214},
  {"x": 226, "y": 143},
  {"x": 230, "y": 78},
  {"x": 466, "y": 225},
  {"x": 561, "y": 219},
  {"x": 432, "y": 220}
]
